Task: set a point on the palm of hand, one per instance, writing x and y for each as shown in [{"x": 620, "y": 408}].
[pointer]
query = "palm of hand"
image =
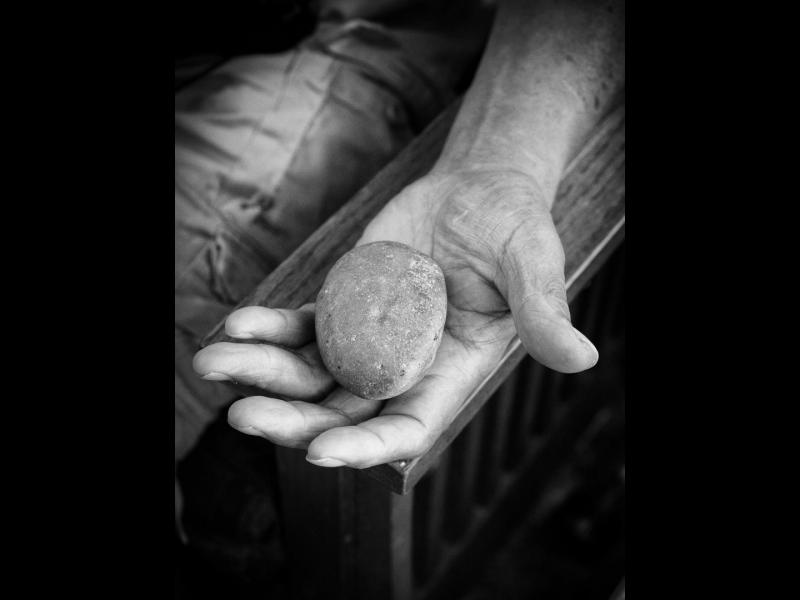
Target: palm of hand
[
  {"x": 446, "y": 220},
  {"x": 474, "y": 227}
]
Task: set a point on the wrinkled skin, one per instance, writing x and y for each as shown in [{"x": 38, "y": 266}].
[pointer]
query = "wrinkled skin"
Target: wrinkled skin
[{"x": 493, "y": 236}]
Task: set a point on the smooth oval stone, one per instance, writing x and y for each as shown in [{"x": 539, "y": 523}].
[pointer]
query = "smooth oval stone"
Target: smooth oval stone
[{"x": 379, "y": 318}]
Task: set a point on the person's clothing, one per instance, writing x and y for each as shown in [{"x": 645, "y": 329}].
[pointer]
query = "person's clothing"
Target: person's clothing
[{"x": 266, "y": 148}]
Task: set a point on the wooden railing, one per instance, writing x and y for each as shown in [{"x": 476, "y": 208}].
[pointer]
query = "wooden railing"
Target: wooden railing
[{"x": 352, "y": 534}]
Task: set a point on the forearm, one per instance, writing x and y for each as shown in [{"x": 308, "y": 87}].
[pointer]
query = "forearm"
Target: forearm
[{"x": 549, "y": 73}]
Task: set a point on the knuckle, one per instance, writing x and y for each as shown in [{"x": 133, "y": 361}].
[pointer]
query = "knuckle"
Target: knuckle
[
  {"x": 553, "y": 288},
  {"x": 421, "y": 440}
]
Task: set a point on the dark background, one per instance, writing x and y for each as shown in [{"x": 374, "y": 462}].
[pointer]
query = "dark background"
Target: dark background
[
  {"x": 570, "y": 545},
  {"x": 89, "y": 440}
]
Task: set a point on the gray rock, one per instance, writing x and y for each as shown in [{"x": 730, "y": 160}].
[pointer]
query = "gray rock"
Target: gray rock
[{"x": 379, "y": 318}]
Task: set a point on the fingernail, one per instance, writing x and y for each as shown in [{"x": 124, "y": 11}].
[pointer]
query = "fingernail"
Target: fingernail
[
  {"x": 216, "y": 377},
  {"x": 247, "y": 429},
  {"x": 243, "y": 335},
  {"x": 585, "y": 341},
  {"x": 326, "y": 462}
]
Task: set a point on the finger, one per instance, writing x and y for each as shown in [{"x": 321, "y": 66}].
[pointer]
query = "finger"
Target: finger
[
  {"x": 299, "y": 375},
  {"x": 291, "y": 328},
  {"x": 294, "y": 424},
  {"x": 532, "y": 280},
  {"x": 409, "y": 424}
]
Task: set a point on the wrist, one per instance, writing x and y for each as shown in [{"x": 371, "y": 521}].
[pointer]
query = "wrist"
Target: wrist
[
  {"x": 503, "y": 170},
  {"x": 497, "y": 135},
  {"x": 484, "y": 187}
]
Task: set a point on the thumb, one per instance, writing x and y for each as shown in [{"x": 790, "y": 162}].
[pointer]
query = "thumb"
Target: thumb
[{"x": 532, "y": 277}]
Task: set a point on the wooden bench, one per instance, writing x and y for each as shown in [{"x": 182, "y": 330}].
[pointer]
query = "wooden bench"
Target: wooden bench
[{"x": 413, "y": 529}]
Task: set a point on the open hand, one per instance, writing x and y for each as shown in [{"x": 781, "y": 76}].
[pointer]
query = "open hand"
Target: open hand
[{"x": 492, "y": 234}]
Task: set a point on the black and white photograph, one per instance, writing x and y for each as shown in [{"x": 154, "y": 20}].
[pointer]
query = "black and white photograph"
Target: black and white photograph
[{"x": 399, "y": 303}]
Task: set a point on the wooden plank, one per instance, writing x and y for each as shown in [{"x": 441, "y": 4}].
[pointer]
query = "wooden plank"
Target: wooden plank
[
  {"x": 422, "y": 501},
  {"x": 518, "y": 407},
  {"x": 438, "y": 509},
  {"x": 495, "y": 440},
  {"x": 347, "y": 509},
  {"x": 518, "y": 492},
  {"x": 465, "y": 455},
  {"x": 316, "y": 533},
  {"x": 383, "y": 541},
  {"x": 346, "y": 535},
  {"x": 429, "y": 511},
  {"x": 532, "y": 376},
  {"x": 551, "y": 394}
]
